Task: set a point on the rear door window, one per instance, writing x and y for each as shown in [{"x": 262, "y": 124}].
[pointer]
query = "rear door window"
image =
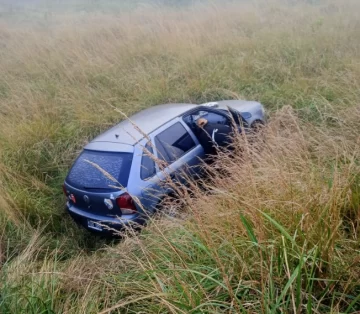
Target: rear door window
[
  {"x": 148, "y": 169},
  {"x": 100, "y": 170},
  {"x": 173, "y": 143}
]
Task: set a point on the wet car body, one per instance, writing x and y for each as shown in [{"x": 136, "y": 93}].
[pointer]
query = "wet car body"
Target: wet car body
[{"x": 116, "y": 183}]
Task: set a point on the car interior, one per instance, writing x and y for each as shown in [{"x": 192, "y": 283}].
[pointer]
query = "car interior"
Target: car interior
[
  {"x": 173, "y": 142},
  {"x": 210, "y": 116}
]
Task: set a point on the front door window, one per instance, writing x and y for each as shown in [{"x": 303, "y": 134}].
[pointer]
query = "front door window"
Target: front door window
[{"x": 173, "y": 143}]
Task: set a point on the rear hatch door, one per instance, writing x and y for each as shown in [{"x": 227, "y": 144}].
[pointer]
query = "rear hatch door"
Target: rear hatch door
[{"x": 96, "y": 179}]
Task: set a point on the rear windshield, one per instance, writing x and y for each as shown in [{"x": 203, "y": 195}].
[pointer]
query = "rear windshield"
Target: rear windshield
[{"x": 100, "y": 170}]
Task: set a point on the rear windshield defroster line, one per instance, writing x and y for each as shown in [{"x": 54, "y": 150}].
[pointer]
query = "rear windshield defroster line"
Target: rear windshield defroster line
[{"x": 100, "y": 170}]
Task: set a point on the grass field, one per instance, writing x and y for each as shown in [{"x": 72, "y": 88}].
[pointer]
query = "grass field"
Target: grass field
[{"x": 279, "y": 231}]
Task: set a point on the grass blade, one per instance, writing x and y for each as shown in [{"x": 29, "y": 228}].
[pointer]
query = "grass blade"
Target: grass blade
[{"x": 249, "y": 229}]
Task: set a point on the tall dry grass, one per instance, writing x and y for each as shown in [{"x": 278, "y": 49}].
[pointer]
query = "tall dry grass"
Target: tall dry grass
[
  {"x": 278, "y": 229},
  {"x": 275, "y": 230}
]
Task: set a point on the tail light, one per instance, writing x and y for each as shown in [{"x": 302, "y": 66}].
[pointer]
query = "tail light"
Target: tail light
[{"x": 126, "y": 204}]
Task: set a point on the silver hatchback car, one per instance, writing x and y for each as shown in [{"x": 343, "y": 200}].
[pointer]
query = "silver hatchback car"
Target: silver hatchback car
[{"x": 116, "y": 183}]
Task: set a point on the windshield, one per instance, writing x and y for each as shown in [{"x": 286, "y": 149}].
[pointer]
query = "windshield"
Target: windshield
[{"x": 100, "y": 170}]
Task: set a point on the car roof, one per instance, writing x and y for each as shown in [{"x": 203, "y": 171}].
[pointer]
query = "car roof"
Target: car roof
[{"x": 133, "y": 129}]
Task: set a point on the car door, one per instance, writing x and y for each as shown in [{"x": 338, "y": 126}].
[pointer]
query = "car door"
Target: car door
[
  {"x": 239, "y": 118},
  {"x": 178, "y": 150}
]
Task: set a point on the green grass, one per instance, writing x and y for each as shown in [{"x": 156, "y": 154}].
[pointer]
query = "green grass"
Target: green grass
[{"x": 279, "y": 230}]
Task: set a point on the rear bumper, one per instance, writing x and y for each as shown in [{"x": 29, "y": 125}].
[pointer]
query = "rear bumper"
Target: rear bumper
[{"x": 109, "y": 225}]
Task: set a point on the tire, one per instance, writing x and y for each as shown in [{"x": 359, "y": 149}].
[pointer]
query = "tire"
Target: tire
[{"x": 257, "y": 126}]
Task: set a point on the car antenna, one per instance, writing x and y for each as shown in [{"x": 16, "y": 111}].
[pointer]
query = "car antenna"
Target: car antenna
[{"x": 117, "y": 136}]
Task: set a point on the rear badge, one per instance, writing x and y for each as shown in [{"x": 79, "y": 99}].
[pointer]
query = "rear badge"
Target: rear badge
[
  {"x": 86, "y": 199},
  {"x": 72, "y": 198},
  {"x": 108, "y": 203}
]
